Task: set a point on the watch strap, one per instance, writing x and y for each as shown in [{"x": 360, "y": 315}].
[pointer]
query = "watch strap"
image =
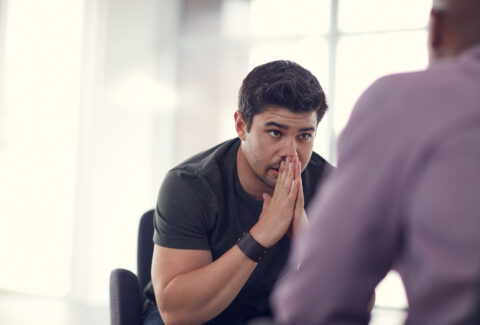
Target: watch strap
[{"x": 251, "y": 248}]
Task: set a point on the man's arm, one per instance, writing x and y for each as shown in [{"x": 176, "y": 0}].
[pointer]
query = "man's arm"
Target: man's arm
[{"x": 191, "y": 289}]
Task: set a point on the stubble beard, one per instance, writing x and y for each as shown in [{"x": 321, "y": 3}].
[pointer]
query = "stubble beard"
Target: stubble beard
[
  {"x": 265, "y": 175},
  {"x": 269, "y": 181}
]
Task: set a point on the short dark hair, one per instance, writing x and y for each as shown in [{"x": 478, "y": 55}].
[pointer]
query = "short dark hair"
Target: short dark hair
[{"x": 283, "y": 84}]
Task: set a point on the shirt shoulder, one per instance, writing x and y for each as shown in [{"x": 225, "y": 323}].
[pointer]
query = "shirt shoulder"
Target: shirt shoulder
[
  {"x": 191, "y": 196},
  {"x": 314, "y": 173},
  {"x": 209, "y": 161},
  {"x": 318, "y": 163}
]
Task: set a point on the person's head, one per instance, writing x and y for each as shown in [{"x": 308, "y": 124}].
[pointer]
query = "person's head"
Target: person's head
[
  {"x": 280, "y": 106},
  {"x": 454, "y": 27},
  {"x": 283, "y": 84}
]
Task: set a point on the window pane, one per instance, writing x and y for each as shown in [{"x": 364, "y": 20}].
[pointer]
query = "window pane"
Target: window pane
[
  {"x": 262, "y": 52},
  {"x": 208, "y": 84},
  {"x": 234, "y": 15},
  {"x": 362, "y": 59},
  {"x": 311, "y": 53},
  {"x": 200, "y": 18},
  {"x": 376, "y": 15},
  {"x": 289, "y": 17},
  {"x": 38, "y": 159}
]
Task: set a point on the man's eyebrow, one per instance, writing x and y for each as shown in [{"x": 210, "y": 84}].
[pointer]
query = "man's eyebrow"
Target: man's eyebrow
[
  {"x": 310, "y": 129},
  {"x": 280, "y": 126},
  {"x": 285, "y": 127}
]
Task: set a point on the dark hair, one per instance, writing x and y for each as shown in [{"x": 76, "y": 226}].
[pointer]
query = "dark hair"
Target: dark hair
[{"x": 283, "y": 84}]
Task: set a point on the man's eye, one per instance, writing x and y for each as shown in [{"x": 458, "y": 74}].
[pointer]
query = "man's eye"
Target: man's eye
[
  {"x": 305, "y": 136},
  {"x": 274, "y": 133}
]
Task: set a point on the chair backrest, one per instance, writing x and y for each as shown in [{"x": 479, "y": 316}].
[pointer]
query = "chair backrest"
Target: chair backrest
[{"x": 145, "y": 248}]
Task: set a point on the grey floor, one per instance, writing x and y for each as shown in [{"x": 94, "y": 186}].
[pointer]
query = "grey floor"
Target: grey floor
[{"x": 18, "y": 309}]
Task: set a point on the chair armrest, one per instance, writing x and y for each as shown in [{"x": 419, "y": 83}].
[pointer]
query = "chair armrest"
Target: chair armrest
[{"x": 125, "y": 298}]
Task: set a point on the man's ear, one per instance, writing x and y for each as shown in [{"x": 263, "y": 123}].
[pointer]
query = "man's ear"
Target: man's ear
[{"x": 240, "y": 125}]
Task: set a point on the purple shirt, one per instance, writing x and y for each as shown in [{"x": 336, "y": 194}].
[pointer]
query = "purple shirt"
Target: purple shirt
[{"x": 405, "y": 195}]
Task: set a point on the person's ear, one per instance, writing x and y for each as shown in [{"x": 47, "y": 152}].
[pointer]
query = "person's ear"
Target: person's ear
[
  {"x": 436, "y": 33},
  {"x": 240, "y": 125}
]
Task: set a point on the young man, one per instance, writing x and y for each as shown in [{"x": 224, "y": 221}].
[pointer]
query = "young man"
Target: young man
[
  {"x": 405, "y": 195},
  {"x": 224, "y": 218}
]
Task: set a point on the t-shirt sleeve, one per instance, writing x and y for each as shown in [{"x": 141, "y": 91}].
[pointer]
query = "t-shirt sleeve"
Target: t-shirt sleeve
[{"x": 181, "y": 214}]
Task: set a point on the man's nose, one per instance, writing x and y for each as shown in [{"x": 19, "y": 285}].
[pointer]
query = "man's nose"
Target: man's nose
[{"x": 289, "y": 148}]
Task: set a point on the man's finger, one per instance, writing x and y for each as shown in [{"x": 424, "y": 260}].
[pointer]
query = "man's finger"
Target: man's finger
[
  {"x": 300, "y": 201},
  {"x": 282, "y": 172},
  {"x": 280, "y": 177},
  {"x": 291, "y": 170},
  {"x": 300, "y": 193},
  {"x": 266, "y": 199},
  {"x": 294, "y": 193},
  {"x": 298, "y": 171}
]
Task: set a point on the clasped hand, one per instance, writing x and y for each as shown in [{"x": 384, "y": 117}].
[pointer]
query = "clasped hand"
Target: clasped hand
[{"x": 283, "y": 211}]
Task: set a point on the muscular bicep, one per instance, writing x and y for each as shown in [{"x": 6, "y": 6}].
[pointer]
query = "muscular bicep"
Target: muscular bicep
[{"x": 169, "y": 263}]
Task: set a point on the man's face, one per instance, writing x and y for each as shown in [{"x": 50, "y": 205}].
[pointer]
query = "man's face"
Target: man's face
[{"x": 276, "y": 134}]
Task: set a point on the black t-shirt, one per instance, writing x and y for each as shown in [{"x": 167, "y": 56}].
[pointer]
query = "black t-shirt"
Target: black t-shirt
[{"x": 201, "y": 205}]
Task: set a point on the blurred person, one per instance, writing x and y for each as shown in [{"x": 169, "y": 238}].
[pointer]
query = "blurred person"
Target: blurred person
[
  {"x": 405, "y": 194},
  {"x": 224, "y": 217}
]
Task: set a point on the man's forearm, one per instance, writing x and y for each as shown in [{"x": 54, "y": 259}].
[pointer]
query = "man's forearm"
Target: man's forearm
[{"x": 200, "y": 295}]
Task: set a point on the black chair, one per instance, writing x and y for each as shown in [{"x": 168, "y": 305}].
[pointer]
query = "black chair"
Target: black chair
[{"x": 126, "y": 298}]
